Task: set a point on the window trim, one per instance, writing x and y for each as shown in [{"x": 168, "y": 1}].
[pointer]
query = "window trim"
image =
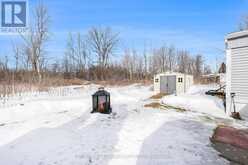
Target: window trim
[{"x": 180, "y": 80}]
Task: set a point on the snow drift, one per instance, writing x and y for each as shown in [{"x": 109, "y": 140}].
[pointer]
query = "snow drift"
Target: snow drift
[{"x": 196, "y": 100}]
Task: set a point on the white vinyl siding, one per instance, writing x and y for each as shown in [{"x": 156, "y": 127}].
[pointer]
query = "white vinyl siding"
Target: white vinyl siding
[
  {"x": 239, "y": 70},
  {"x": 237, "y": 43}
]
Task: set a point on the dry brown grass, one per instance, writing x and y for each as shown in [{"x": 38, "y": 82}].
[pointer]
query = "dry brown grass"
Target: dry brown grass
[
  {"x": 153, "y": 105},
  {"x": 7, "y": 88},
  {"x": 75, "y": 81},
  {"x": 156, "y": 105},
  {"x": 175, "y": 108},
  {"x": 21, "y": 87},
  {"x": 158, "y": 96},
  {"x": 122, "y": 82}
]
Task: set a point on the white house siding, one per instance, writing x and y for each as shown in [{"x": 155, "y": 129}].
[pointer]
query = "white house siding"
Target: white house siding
[
  {"x": 237, "y": 71},
  {"x": 238, "y": 42},
  {"x": 228, "y": 80},
  {"x": 239, "y": 79}
]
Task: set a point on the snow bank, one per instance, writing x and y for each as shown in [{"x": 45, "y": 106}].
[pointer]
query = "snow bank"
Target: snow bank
[
  {"x": 201, "y": 89},
  {"x": 196, "y": 100}
]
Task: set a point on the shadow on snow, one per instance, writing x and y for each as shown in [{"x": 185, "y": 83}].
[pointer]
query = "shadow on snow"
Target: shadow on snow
[{"x": 89, "y": 139}]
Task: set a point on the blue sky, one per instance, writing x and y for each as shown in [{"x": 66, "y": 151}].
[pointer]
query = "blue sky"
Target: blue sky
[{"x": 195, "y": 25}]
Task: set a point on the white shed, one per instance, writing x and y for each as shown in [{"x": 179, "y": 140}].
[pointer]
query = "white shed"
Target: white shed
[
  {"x": 237, "y": 72},
  {"x": 172, "y": 83}
]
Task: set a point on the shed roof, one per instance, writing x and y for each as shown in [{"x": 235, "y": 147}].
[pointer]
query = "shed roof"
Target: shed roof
[{"x": 172, "y": 74}]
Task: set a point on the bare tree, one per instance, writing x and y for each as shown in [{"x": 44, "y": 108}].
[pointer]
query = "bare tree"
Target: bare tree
[
  {"x": 244, "y": 24},
  {"x": 82, "y": 52},
  {"x": 66, "y": 66},
  {"x": 69, "y": 59},
  {"x": 171, "y": 58},
  {"x": 145, "y": 56},
  {"x": 207, "y": 70},
  {"x": 127, "y": 64},
  {"x": 6, "y": 63},
  {"x": 183, "y": 61},
  {"x": 198, "y": 66},
  {"x": 36, "y": 39},
  {"x": 134, "y": 63},
  {"x": 77, "y": 54},
  {"x": 17, "y": 52},
  {"x": 103, "y": 42},
  {"x": 164, "y": 59},
  {"x": 163, "y": 55}
]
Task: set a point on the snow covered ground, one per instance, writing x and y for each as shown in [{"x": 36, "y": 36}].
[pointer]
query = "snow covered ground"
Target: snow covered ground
[
  {"x": 196, "y": 100},
  {"x": 62, "y": 131}
]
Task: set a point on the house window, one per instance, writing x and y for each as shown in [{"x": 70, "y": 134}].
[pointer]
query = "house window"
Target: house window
[
  {"x": 156, "y": 80},
  {"x": 180, "y": 80}
]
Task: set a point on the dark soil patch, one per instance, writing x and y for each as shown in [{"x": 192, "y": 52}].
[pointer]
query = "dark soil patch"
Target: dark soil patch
[
  {"x": 153, "y": 105},
  {"x": 3, "y": 124},
  {"x": 158, "y": 96}
]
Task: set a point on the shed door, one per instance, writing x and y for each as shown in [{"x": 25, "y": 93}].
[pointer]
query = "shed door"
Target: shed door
[
  {"x": 163, "y": 84},
  {"x": 171, "y": 84},
  {"x": 168, "y": 84}
]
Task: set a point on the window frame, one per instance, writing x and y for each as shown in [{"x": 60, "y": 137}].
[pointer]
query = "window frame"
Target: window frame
[{"x": 180, "y": 80}]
